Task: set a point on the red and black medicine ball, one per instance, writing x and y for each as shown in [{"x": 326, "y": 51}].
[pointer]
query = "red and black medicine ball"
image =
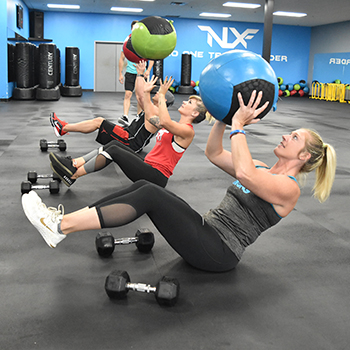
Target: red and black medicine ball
[{"x": 130, "y": 53}]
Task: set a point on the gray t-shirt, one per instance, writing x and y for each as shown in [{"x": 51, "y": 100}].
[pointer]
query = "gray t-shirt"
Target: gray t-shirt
[{"x": 241, "y": 217}]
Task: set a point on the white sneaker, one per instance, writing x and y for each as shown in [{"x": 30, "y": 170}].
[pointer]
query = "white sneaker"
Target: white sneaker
[
  {"x": 44, "y": 219},
  {"x": 35, "y": 197}
]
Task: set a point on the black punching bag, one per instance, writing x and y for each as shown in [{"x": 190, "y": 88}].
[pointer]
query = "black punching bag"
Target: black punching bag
[
  {"x": 186, "y": 68},
  {"x": 72, "y": 66},
  {"x": 71, "y": 86},
  {"x": 48, "y": 89}
]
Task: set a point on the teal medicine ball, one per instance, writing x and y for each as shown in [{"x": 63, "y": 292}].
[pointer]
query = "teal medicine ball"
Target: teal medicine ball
[
  {"x": 232, "y": 72},
  {"x": 153, "y": 38}
]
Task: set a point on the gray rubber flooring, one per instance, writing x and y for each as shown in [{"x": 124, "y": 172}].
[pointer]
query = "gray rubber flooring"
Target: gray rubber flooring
[{"x": 290, "y": 291}]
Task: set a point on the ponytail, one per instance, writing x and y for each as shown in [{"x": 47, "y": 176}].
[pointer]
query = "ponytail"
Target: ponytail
[{"x": 323, "y": 160}]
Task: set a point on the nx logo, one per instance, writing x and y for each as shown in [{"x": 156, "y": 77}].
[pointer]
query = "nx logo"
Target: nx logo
[{"x": 241, "y": 38}]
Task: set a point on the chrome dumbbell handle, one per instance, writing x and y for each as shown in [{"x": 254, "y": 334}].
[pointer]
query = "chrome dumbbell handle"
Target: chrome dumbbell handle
[
  {"x": 141, "y": 287},
  {"x": 125, "y": 240}
]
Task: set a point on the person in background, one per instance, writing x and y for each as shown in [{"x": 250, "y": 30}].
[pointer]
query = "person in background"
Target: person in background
[{"x": 129, "y": 83}]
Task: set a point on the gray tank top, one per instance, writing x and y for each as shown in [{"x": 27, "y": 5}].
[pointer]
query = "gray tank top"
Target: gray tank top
[{"x": 241, "y": 217}]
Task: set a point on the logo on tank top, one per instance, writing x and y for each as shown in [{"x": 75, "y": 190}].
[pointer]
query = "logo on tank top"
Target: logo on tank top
[
  {"x": 239, "y": 185},
  {"x": 160, "y": 133}
]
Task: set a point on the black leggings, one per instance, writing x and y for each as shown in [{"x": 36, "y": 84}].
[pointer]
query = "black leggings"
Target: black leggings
[
  {"x": 183, "y": 228},
  {"x": 130, "y": 163}
]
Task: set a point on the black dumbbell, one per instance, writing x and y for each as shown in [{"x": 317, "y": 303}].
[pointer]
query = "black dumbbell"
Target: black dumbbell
[
  {"x": 45, "y": 145},
  {"x": 105, "y": 242},
  {"x": 166, "y": 291},
  {"x": 33, "y": 176},
  {"x": 53, "y": 187}
]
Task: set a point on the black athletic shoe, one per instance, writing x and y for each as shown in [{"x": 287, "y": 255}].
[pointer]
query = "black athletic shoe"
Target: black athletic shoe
[
  {"x": 63, "y": 167},
  {"x": 68, "y": 181}
]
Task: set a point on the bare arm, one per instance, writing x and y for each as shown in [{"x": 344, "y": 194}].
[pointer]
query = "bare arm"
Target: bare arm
[
  {"x": 120, "y": 66},
  {"x": 215, "y": 151},
  {"x": 140, "y": 83},
  {"x": 183, "y": 132},
  {"x": 279, "y": 190},
  {"x": 151, "y": 111},
  {"x": 148, "y": 70},
  {"x": 239, "y": 158}
]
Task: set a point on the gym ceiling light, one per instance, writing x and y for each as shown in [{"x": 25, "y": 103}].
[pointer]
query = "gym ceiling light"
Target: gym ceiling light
[
  {"x": 289, "y": 14},
  {"x": 126, "y": 9},
  {"x": 221, "y": 15},
  {"x": 241, "y": 5},
  {"x": 61, "y": 6}
]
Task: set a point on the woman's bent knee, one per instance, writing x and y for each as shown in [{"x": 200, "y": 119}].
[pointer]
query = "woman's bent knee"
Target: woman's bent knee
[{"x": 98, "y": 121}]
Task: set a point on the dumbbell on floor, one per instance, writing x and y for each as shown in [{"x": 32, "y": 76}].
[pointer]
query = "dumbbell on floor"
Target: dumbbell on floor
[
  {"x": 45, "y": 145},
  {"x": 33, "y": 176},
  {"x": 105, "y": 242},
  {"x": 53, "y": 187},
  {"x": 166, "y": 291}
]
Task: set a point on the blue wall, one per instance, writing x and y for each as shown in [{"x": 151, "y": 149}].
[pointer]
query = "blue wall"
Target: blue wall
[
  {"x": 4, "y": 87},
  {"x": 3, "y": 50},
  {"x": 290, "y": 45},
  {"x": 332, "y": 66},
  {"x": 8, "y": 27},
  {"x": 204, "y": 39},
  {"x": 82, "y": 30},
  {"x": 331, "y": 38},
  {"x": 12, "y": 16}
]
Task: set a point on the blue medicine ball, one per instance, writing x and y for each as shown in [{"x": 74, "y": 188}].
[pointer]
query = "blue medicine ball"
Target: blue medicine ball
[
  {"x": 302, "y": 83},
  {"x": 232, "y": 72}
]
